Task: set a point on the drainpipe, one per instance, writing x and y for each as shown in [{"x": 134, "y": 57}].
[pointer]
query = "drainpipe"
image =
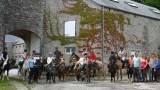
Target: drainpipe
[{"x": 102, "y": 32}]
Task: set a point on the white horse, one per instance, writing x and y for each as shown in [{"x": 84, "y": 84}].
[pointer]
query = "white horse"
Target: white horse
[{"x": 25, "y": 69}]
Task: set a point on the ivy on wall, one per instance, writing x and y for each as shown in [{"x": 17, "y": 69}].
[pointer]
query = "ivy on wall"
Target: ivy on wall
[
  {"x": 49, "y": 31},
  {"x": 114, "y": 25}
]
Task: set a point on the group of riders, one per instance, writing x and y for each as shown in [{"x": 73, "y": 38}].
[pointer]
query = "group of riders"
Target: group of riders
[
  {"x": 139, "y": 68},
  {"x": 32, "y": 65}
]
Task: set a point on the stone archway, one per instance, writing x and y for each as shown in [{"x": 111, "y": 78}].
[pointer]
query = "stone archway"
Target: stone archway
[{"x": 32, "y": 40}]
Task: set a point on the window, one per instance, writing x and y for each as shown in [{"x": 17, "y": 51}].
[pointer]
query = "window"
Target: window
[
  {"x": 131, "y": 4},
  {"x": 70, "y": 28},
  {"x": 70, "y": 50},
  {"x": 115, "y": 1}
]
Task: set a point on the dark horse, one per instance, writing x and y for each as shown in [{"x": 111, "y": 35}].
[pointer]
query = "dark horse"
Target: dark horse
[
  {"x": 51, "y": 71},
  {"x": 112, "y": 66},
  {"x": 6, "y": 67},
  {"x": 38, "y": 68}
]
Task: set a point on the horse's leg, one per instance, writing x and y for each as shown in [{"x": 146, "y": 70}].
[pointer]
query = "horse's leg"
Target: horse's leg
[
  {"x": 63, "y": 75},
  {"x": 54, "y": 81},
  {"x": 47, "y": 77},
  {"x": 114, "y": 76},
  {"x": 121, "y": 73},
  {"x": 117, "y": 74},
  {"x": 111, "y": 76},
  {"x": 3, "y": 74},
  {"x": 7, "y": 74},
  {"x": 59, "y": 75}
]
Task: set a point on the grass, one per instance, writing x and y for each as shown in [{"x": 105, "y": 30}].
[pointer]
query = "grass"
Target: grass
[
  {"x": 22, "y": 82},
  {"x": 6, "y": 85}
]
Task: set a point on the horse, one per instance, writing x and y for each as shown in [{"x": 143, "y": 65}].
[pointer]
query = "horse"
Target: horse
[
  {"x": 61, "y": 69},
  {"x": 20, "y": 65},
  {"x": 38, "y": 68},
  {"x": 98, "y": 66},
  {"x": 25, "y": 69},
  {"x": 119, "y": 68},
  {"x": 83, "y": 70},
  {"x": 6, "y": 66},
  {"x": 51, "y": 71},
  {"x": 112, "y": 67},
  {"x": 72, "y": 62},
  {"x": 1, "y": 68}
]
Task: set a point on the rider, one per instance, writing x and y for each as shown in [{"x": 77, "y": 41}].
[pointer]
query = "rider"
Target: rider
[
  {"x": 61, "y": 59},
  {"x": 112, "y": 58},
  {"x": 122, "y": 55},
  {"x": 5, "y": 57},
  {"x": 50, "y": 58},
  {"x": 57, "y": 54},
  {"x": 83, "y": 61},
  {"x": 92, "y": 57}
]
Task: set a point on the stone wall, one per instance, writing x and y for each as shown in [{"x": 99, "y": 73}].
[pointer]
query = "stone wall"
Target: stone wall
[
  {"x": 142, "y": 32},
  {"x": 28, "y": 15}
]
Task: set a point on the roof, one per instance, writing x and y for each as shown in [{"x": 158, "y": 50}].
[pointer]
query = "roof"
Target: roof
[{"x": 130, "y": 7}]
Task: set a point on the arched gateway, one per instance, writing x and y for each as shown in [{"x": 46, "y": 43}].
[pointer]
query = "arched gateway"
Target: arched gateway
[{"x": 22, "y": 19}]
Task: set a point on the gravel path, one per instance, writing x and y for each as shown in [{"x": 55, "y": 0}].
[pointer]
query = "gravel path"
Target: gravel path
[{"x": 94, "y": 85}]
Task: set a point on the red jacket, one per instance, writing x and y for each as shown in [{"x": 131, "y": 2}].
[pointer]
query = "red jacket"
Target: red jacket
[{"x": 92, "y": 57}]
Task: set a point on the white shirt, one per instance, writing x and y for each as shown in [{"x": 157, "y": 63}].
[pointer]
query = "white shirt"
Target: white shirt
[
  {"x": 49, "y": 60},
  {"x": 121, "y": 54},
  {"x": 82, "y": 61}
]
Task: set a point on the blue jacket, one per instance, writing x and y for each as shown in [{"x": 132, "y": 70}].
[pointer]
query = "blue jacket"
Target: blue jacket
[
  {"x": 157, "y": 64},
  {"x": 31, "y": 63}
]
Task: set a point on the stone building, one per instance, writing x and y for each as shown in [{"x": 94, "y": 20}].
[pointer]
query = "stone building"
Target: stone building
[
  {"x": 42, "y": 24},
  {"x": 18, "y": 49}
]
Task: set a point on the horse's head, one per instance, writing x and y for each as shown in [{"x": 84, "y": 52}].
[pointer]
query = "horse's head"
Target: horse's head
[{"x": 74, "y": 59}]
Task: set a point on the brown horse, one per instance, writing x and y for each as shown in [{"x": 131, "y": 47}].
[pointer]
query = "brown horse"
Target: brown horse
[
  {"x": 119, "y": 68},
  {"x": 61, "y": 69}
]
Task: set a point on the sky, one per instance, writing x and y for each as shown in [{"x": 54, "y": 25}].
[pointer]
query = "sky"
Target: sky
[{"x": 13, "y": 39}]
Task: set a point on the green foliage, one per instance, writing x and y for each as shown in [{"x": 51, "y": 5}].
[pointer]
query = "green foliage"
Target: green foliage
[
  {"x": 47, "y": 26},
  {"x": 84, "y": 33},
  {"x": 112, "y": 22},
  {"x": 153, "y": 3},
  {"x": 63, "y": 39},
  {"x": 88, "y": 15}
]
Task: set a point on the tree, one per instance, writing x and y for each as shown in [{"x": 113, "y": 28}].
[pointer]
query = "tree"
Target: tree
[{"x": 153, "y": 3}]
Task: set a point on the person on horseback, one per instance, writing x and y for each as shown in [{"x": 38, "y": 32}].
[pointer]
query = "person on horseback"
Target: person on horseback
[
  {"x": 112, "y": 65},
  {"x": 57, "y": 54},
  {"x": 82, "y": 62},
  {"x": 50, "y": 58},
  {"x": 92, "y": 57},
  {"x": 51, "y": 67},
  {"x": 25, "y": 64},
  {"x": 5, "y": 57},
  {"x": 122, "y": 54},
  {"x": 62, "y": 59}
]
